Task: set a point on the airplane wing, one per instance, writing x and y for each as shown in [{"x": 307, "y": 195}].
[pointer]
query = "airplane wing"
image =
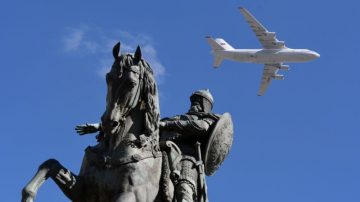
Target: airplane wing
[
  {"x": 269, "y": 73},
  {"x": 267, "y": 39}
]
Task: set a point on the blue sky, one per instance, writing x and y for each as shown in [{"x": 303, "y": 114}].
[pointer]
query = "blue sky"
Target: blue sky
[{"x": 298, "y": 143}]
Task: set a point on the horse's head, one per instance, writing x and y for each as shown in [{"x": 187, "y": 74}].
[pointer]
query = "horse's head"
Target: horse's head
[{"x": 130, "y": 86}]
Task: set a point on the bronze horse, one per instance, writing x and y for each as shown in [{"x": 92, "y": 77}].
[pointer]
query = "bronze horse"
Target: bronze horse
[{"x": 126, "y": 163}]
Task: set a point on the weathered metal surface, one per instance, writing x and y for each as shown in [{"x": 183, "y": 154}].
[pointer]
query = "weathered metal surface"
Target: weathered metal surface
[{"x": 219, "y": 144}]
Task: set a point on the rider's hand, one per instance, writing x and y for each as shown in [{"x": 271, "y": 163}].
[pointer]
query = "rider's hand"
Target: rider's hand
[{"x": 87, "y": 128}]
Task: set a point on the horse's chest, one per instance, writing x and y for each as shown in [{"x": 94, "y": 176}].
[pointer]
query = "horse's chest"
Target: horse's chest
[{"x": 127, "y": 178}]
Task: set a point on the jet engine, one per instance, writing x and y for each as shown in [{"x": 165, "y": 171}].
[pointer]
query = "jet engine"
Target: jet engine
[
  {"x": 269, "y": 35},
  {"x": 279, "y": 43},
  {"x": 284, "y": 67},
  {"x": 278, "y": 77}
]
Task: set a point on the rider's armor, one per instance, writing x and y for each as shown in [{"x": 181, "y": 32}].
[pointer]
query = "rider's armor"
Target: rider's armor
[{"x": 185, "y": 131}]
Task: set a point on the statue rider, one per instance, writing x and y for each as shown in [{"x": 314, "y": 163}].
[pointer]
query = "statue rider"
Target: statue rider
[{"x": 185, "y": 131}]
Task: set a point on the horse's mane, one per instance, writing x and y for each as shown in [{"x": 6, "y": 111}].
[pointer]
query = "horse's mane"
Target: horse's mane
[{"x": 149, "y": 96}]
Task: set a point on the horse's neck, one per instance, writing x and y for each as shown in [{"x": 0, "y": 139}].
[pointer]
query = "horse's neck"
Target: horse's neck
[
  {"x": 134, "y": 123},
  {"x": 133, "y": 127}
]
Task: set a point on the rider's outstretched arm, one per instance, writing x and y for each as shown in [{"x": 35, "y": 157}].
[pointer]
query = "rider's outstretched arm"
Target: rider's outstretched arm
[{"x": 88, "y": 128}]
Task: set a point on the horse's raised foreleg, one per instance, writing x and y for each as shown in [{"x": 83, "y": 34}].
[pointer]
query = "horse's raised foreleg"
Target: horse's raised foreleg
[{"x": 68, "y": 182}]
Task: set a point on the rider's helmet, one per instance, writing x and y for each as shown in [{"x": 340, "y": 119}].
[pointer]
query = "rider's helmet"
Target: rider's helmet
[{"x": 205, "y": 98}]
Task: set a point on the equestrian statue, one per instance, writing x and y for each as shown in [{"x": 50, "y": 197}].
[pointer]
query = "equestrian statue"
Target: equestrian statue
[{"x": 140, "y": 157}]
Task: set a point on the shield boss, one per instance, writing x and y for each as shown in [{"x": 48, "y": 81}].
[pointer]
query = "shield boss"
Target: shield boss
[{"x": 219, "y": 144}]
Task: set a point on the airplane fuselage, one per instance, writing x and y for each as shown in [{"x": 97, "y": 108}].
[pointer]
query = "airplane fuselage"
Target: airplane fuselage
[
  {"x": 268, "y": 56},
  {"x": 273, "y": 54}
]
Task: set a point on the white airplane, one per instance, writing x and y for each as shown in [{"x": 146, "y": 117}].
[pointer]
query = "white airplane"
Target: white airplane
[{"x": 273, "y": 54}]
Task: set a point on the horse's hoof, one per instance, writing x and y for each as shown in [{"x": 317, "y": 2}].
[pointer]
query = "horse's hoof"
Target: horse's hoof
[{"x": 27, "y": 195}]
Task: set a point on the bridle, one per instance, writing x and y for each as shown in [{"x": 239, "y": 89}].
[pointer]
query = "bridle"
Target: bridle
[{"x": 138, "y": 69}]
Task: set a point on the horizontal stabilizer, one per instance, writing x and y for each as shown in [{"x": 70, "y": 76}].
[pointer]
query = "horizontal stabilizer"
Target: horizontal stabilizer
[
  {"x": 217, "y": 61},
  {"x": 219, "y": 44}
]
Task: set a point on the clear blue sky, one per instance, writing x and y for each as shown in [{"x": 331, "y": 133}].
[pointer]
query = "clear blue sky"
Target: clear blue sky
[{"x": 298, "y": 143}]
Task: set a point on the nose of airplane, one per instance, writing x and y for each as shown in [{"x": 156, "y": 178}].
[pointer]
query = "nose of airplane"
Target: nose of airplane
[{"x": 315, "y": 54}]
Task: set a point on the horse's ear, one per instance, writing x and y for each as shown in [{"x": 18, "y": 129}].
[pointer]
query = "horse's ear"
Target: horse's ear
[
  {"x": 137, "y": 56},
  {"x": 116, "y": 50}
]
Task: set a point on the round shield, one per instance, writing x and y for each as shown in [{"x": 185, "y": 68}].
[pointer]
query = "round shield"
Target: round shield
[{"x": 219, "y": 144}]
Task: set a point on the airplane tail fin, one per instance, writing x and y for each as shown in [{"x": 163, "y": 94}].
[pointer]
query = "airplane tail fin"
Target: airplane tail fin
[{"x": 218, "y": 45}]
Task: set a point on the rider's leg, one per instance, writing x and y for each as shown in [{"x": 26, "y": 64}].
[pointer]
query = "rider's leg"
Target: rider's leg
[
  {"x": 185, "y": 189},
  {"x": 184, "y": 192}
]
